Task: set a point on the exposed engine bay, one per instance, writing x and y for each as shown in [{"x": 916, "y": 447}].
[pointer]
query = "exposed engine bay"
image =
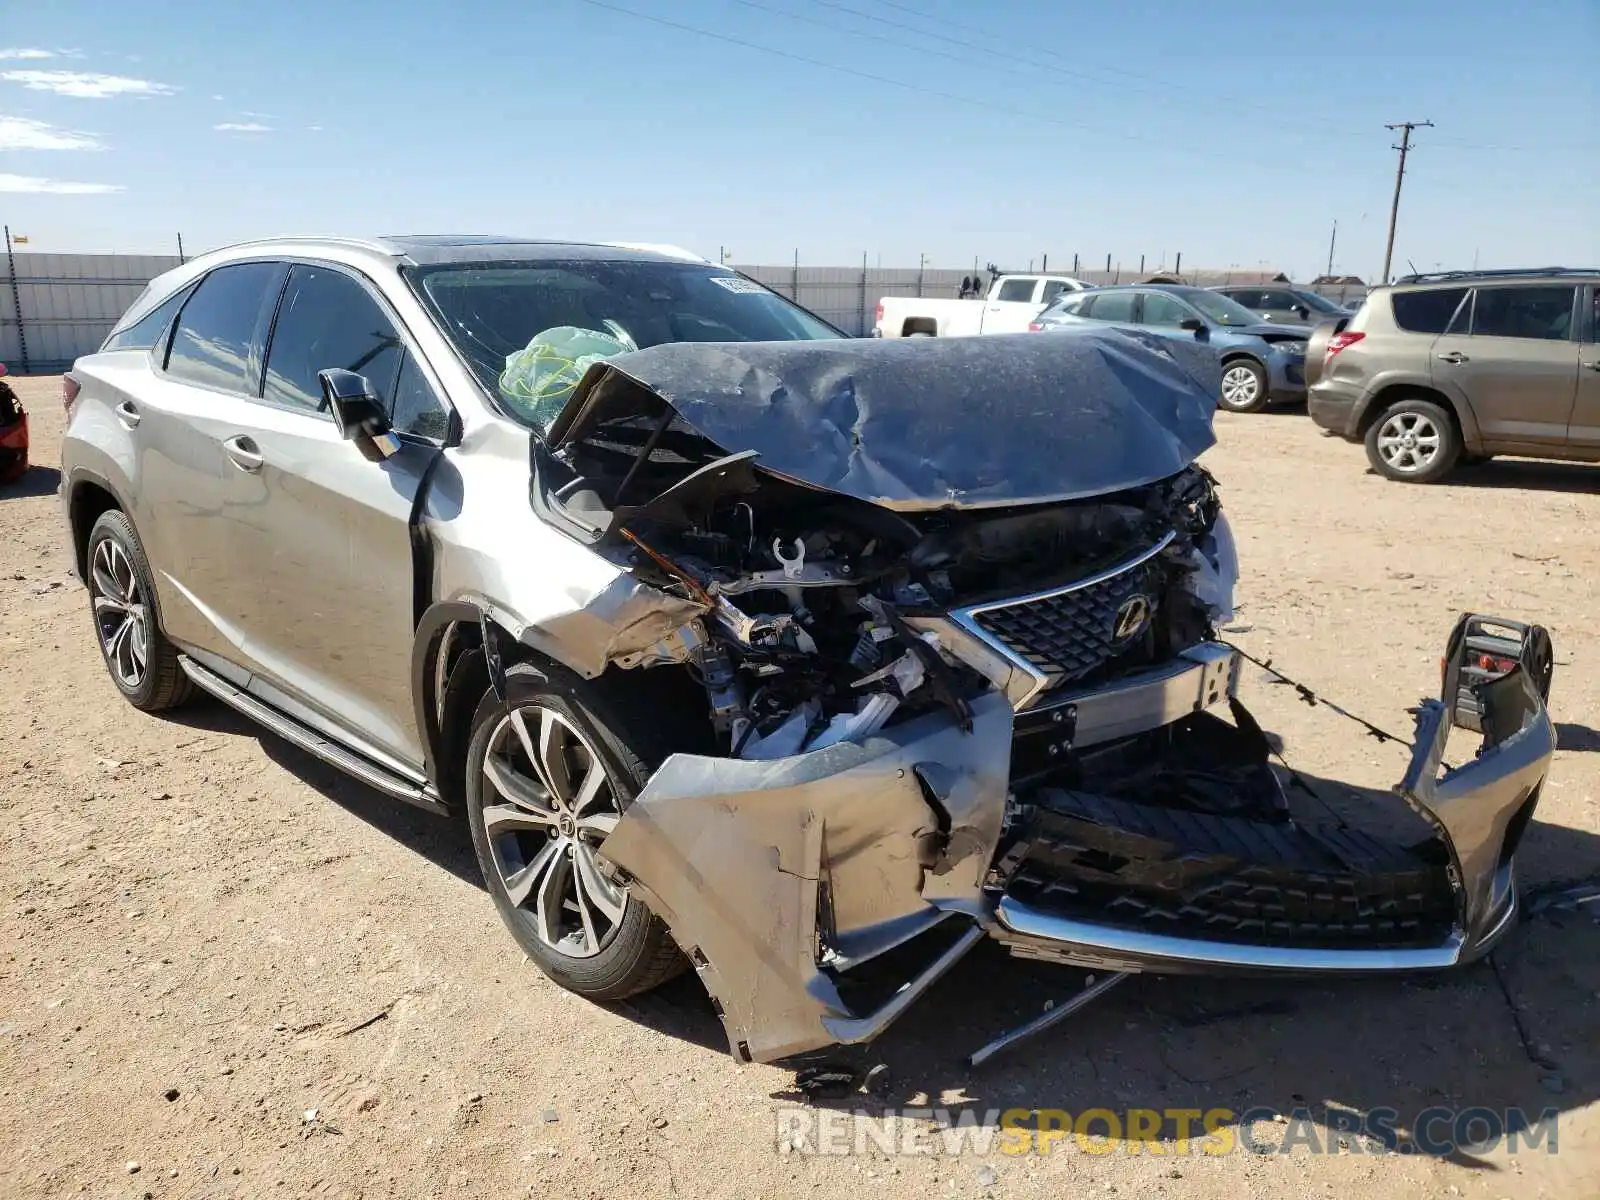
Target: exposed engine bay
[
  {"x": 817, "y": 605},
  {"x": 950, "y": 693}
]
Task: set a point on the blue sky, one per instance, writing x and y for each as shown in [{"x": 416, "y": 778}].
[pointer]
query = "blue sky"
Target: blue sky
[{"x": 1236, "y": 134}]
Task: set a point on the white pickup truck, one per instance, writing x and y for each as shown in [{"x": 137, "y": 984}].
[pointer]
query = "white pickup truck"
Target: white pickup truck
[{"x": 1012, "y": 302}]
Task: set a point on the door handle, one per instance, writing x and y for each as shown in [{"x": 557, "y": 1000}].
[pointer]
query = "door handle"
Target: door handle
[
  {"x": 128, "y": 414},
  {"x": 1455, "y": 357},
  {"x": 244, "y": 452}
]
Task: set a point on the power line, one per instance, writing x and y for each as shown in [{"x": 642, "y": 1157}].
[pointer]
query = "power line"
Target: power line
[
  {"x": 973, "y": 101},
  {"x": 1155, "y": 83},
  {"x": 1400, "y": 173}
]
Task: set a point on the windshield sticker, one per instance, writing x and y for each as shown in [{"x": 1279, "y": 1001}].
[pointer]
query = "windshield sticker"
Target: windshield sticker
[{"x": 736, "y": 283}]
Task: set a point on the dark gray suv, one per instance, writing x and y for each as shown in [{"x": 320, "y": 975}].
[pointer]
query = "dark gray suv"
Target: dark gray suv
[{"x": 1456, "y": 368}]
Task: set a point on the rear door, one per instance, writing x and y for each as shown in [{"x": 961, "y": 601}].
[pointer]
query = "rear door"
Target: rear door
[
  {"x": 1512, "y": 352},
  {"x": 1584, "y": 431},
  {"x": 319, "y": 537},
  {"x": 1014, "y": 304},
  {"x": 204, "y": 375}
]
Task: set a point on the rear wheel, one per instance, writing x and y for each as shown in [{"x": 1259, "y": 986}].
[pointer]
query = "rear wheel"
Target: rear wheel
[
  {"x": 1244, "y": 386},
  {"x": 1413, "y": 441},
  {"x": 547, "y": 779},
  {"x": 140, "y": 660}
]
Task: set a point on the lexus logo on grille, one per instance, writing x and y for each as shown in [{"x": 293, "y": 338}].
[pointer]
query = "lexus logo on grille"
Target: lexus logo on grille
[{"x": 1131, "y": 618}]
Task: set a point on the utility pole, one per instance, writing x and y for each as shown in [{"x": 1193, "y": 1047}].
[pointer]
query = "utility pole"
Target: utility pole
[
  {"x": 1404, "y": 147},
  {"x": 1334, "y": 237}
]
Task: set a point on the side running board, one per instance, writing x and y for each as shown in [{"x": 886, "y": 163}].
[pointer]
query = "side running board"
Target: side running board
[{"x": 286, "y": 727}]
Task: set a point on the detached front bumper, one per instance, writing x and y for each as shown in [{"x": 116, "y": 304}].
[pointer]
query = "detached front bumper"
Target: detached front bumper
[{"x": 779, "y": 878}]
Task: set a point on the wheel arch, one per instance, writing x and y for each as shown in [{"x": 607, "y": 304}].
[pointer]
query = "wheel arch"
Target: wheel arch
[
  {"x": 89, "y": 496},
  {"x": 452, "y": 667},
  {"x": 1389, "y": 391},
  {"x": 927, "y": 325}
]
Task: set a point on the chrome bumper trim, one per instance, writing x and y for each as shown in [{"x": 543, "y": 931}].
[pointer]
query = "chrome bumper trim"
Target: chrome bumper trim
[
  {"x": 1202, "y": 676},
  {"x": 1030, "y": 932}
]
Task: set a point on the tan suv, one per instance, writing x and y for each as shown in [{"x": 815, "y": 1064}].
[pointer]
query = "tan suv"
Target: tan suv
[{"x": 1438, "y": 370}]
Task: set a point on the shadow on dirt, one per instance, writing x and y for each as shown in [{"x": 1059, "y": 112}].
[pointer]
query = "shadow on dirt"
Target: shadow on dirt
[
  {"x": 1578, "y": 738},
  {"x": 36, "y": 481},
  {"x": 1512, "y": 1033},
  {"x": 441, "y": 840},
  {"x": 1531, "y": 474}
]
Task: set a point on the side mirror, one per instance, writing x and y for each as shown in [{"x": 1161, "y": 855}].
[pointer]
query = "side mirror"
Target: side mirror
[
  {"x": 358, "y": 413},
  {"x": 1195, "y": 326},
  {"x": 1302, "y": 312}
]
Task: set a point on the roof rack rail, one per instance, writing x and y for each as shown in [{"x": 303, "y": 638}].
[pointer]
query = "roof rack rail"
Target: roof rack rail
[{"x": 1495, "y": 273}]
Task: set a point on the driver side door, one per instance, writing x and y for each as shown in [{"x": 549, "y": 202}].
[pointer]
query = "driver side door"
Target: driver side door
[{"x": 323, "y": 538}]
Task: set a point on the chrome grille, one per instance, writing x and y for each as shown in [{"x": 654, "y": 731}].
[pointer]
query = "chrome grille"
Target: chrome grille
[{"x": 1065, "y": 633}]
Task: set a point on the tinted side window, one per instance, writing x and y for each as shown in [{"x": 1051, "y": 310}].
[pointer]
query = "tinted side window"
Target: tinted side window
[
  {"x": 1113, "y": 306},
  {"x": 1523, "y": 312},
  {"x": 1279, "y": 300},
  {"x": 1249, "y": 297},
  {"x": 1160, "y": 309},
  {"x": 215, "y": 343},
  {"x": 151, "y": 329},
  {"x": 1016, "y": 289},
  {"x": 1426, "y": 312},
  {"x": 1072, "y": 304},
  {"x": 1052, "y": 289},
  {"x": 327, "y": 319}
]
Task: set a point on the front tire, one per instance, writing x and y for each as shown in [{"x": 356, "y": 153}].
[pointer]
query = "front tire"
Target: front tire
[
  {"x": 1413, "y": 441},
  {"x": 138, "y": 657},
  {"x": 547, "y": 777},
  {"x": 1244, "y": 386}
]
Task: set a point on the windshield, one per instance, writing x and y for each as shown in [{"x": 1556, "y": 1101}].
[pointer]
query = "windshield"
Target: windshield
[
  {"x": 578, "y": 311},
  {"x": 1220, "y": 308}
]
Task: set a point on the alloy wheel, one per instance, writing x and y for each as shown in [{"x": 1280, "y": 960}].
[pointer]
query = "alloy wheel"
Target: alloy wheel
[
  {"x": 548, "y": 804},
  {"x": 121, "y": 615},
  {"x": 1408, "y": 442},
  {"x": 1240, "y": 386}
]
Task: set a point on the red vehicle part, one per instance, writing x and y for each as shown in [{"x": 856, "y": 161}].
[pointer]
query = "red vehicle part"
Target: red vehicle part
[{"x": 13, "y": 436}]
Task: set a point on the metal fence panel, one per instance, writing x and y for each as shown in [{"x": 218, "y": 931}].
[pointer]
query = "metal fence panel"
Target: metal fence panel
[{"x": 69, "y": 302}]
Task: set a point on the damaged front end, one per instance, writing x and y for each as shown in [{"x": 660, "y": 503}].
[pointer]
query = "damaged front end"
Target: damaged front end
[{"x": 954, "y": 699}]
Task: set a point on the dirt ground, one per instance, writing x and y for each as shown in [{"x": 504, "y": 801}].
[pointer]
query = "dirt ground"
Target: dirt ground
[{"x": 229, "y": 965}]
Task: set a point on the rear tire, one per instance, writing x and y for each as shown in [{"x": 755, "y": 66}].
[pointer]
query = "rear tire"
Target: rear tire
[
  {"x": 547, "y": 880},
  {"x": 141, "y": 662},
  {"x": 1413, "y": 441}
]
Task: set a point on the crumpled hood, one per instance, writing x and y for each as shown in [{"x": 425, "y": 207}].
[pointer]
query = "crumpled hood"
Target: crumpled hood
[{"x": 917, "y": 424}]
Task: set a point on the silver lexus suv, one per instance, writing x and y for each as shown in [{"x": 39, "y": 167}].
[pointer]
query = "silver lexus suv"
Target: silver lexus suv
[{"x": 744, "y": 645}]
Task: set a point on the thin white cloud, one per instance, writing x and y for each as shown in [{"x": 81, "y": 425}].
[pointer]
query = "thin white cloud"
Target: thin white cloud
[
  {"x": 55, "y": 187},
  {"x": 24, "y": 133},
  {"x": 87, "y": 85},
  {"x": 314, "y": 128},
  {"x": 242, "y": 127},
  {"x": 259, "y": 116},
  {"x": 21, "y": 52},
  {"x": 219, "y": 97}
]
